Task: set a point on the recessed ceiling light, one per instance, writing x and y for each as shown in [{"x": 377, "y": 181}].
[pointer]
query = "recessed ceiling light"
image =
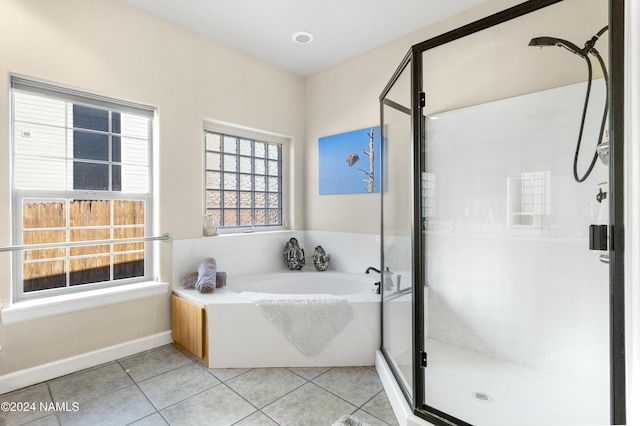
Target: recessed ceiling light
[{"x": 302, "y": 37}]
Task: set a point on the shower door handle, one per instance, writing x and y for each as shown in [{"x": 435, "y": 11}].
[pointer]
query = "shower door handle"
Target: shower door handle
[{"x": 598, "y": 237}]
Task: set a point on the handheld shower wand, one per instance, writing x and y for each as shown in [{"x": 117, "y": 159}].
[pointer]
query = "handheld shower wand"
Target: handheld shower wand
[
  {"x": 589, "y": 48},
  {"x": 552, "y": 41}
]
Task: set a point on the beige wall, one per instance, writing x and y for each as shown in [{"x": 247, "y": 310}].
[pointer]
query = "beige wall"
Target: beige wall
[
  {"x": 345, "y": 97},
  {"x": 105, "y": 47},
  {"x": 497, "y": 63}
]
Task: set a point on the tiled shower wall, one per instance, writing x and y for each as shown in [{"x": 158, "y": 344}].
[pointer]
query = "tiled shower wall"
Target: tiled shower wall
[{"x": 510, "y": 273}]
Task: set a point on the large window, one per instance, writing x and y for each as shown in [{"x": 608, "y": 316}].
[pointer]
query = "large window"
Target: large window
[
  {"x": 81, "y": 167},
  {"x": 243, "y": 180}
]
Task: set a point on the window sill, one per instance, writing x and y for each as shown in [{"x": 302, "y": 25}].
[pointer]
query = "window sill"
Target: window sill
[
  {"x": 42, "y": 308},
  {"x": 249, "y": 231}
]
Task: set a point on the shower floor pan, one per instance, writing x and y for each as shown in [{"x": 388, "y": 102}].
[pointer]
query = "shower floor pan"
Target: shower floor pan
[{"x": 483, "y": 390}]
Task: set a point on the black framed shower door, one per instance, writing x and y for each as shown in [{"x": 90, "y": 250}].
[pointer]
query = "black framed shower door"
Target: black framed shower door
[{"x": 416, "y": 239}]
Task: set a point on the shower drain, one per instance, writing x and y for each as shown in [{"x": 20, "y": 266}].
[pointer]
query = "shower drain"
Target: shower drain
[{"x": 481, "y": 396}]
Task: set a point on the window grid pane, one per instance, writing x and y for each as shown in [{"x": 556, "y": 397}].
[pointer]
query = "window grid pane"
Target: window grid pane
[
  {"x": 97, "y": 146},
  {"x": 73, "y": 149},
  {"x": 243, "y": 181}
]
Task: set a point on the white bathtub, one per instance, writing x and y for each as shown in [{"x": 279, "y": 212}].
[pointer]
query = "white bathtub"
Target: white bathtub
[{"x": 240, "y": 336}]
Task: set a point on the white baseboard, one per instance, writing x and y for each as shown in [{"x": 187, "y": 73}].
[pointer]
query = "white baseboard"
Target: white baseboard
[{"x": 30, "y": 376}]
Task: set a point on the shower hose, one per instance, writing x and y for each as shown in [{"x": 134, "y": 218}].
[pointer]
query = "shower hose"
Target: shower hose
[{"x": 590, "y": 48}]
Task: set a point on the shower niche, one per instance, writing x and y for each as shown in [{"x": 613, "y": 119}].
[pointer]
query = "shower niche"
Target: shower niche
[{"x": 489, "y": 188}]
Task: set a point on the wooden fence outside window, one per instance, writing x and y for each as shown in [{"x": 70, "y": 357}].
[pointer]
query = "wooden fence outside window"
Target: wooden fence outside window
[{"x": 88, "y": 220}]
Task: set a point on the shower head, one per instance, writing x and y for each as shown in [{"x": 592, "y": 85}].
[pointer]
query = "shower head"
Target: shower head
[
  {"x": 543, "y": 41},
  {"x": 552, "y": 41},
  {"x": 589, "y": 48}
]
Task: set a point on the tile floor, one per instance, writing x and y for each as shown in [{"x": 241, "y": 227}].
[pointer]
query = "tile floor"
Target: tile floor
[{"x": 165, "y": 387}]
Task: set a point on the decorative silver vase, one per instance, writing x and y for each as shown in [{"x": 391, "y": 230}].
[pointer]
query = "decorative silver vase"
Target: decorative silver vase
[
  {"x": 294, "y": 255},
  {"x": 320, "y": 259}
]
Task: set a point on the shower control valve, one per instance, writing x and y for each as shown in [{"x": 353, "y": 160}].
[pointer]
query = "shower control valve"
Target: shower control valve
[{"x": 601, "y": 195}]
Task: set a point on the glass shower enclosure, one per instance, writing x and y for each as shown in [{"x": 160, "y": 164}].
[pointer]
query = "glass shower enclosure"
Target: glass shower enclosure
[{"x": 501, "y": 287}]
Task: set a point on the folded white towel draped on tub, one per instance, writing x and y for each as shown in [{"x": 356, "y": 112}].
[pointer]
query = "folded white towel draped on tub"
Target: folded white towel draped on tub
[{"x": 310, "y": 324}]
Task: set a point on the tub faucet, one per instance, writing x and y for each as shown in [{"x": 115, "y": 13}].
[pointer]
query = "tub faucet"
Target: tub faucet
[{"x": 371, "y": 268}]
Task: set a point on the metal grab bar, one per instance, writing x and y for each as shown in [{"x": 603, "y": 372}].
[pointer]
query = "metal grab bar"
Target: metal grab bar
[{"x": 163, "y": 237}]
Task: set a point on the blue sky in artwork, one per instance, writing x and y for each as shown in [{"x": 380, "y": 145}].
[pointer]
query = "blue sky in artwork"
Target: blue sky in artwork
[{"x": 336, "y": 176}]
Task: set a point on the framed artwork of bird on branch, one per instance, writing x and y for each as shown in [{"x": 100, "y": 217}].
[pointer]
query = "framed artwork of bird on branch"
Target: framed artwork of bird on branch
[{"x": 349, "y": 163}]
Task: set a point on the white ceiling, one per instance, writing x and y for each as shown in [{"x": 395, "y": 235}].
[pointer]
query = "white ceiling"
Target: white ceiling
[{"x": 342, "y": 29}]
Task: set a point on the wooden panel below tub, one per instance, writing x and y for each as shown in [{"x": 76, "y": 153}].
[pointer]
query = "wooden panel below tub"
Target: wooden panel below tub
[{"x": 188, "y": 324}]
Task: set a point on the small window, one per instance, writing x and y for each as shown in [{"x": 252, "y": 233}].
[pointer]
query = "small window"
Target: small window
[
  {"x": 81, "y": 182},
  {"x": 529, "y": 199},
  {"x": 536, "y": 192},
  {"x": 243, "y": 180}
]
